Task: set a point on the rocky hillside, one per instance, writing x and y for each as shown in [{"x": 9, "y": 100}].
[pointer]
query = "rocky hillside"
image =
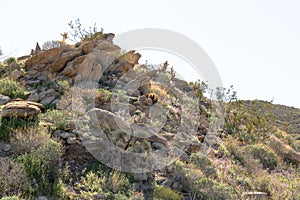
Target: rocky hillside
[
  {"x": 288, "y": 118},
  {"x": 87, "y": 121}
]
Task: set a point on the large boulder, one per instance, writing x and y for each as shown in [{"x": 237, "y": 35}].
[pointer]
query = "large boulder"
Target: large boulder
[
  {"x": 96, "y": 62},
  {"x": 60, "y": 62},
  {"x": 22, "y": 109},
  {"x": 42, "y": 59}
]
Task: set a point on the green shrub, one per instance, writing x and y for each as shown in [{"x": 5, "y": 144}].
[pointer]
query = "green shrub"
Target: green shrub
[
  {"x": 234, "y": 150},
  {"x": 266, "y": 156},
  {"x": 12, "y": 89},
  {"x": 211, "y": 189},
  {"x": 205, "y": 164},
  {"x": 8, "y": 125},
  {"x": 63, "y": 86},
  {"x": 165, "y": 193},
  {"x": 105, "y": 95},
  {"x": 56, "y": 117},
  {"x": 41, "y": 166},
  {"x": 97, "y": 178},
  {"x": 90, "y": 185}
]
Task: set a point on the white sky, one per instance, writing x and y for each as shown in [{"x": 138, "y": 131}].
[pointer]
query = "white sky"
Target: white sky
[{"x": 255, "y": 44}]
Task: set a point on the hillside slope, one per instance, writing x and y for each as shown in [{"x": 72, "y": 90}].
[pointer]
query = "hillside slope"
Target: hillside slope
[{"x": 86, "y": 121}]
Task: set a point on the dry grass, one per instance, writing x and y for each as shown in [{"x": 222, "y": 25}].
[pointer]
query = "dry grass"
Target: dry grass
[
  {"x": 13, "y": 178},
  {"x": 158, "y": 89},
  {"x": 116, "y": 180},
  {"x": 25, "y": 140}
]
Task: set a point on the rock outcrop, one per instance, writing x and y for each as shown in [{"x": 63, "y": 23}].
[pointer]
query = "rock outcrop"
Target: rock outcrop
[
  {"x": 285, "y": 149},
  {"x": 22, "y": 109},
  {"x": 83, "y": 61}
]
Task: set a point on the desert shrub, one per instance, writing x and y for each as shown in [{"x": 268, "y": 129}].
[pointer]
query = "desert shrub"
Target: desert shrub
[
  {"x": 200, "y": 88},
  {"x": 90, "y": 185},
  {"x": 113, "y": 184},
  {"x": 63, "y": 86},
  {"x": 8, "y": 125},
  {"x": 117, "y": 181},
  {"x": 226, "y": 95},
  {"x": 57, "y": 117},
  {"x": 23, "y": 141},
  {"x": 234, "y": 150},
  {"x": 11, "y": 88},
  {"x": 13, "y": 178},
  {"x": 205, "y": 164},
  {"x": 266, "y": 156},
  {"x": 102, "y": 96},
  {"x": 51, "y": 44},
  {"x": 165, "y": 193},
  {"x": 41, "y": 165},
  {"x": 80, "y": 34},
  {"x": 211, "y": 189},
  {"x": 262, "y": 183}
]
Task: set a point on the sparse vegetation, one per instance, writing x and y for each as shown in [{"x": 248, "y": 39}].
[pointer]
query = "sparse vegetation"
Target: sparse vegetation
[
  {"x": 56, "y": 117},
  {"x": 51, "y": 44},
  {"x": 165, "y": 193},
  {"x": 80, "y": 34},
  {"x": 46, "y": 156}
]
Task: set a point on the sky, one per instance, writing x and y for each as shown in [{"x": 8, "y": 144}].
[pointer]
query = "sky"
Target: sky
[{"x": 254, "y": 44}]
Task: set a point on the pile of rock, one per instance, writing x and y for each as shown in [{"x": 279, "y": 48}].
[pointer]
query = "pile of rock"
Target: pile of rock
[{"x": 83, "y": 61}]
